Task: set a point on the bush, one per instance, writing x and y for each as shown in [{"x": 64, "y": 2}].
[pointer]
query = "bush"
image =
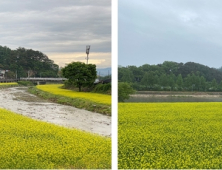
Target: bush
[
  {"x": 25, "y": 83},
  {"x": 102, "y": 88},
  {"x": 124, "y": 91}
]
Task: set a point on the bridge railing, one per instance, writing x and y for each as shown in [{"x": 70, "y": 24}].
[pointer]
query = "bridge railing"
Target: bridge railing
[
  {"x": 42, "y": 79},
  {"x": 8, "y": 80}
]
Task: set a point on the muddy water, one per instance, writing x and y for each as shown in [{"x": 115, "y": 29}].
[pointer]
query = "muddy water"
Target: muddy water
[{"x": 18, "y": 100}]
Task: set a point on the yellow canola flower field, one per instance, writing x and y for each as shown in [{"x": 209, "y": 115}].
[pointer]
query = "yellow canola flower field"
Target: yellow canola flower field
[
  {"x": 94, "y": 97},
  {"x": 6, "y": 84},
  {"x": 32, "y": 144},
  {"x": 170, "y": 135}
]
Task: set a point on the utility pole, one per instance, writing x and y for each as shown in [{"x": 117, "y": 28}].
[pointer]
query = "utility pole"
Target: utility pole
[{"x": 87, "y": 52}]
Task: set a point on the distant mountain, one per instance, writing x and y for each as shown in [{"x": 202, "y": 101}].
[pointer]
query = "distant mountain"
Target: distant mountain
[
  {"x": 104, "y": 71},
  {"x": 202, "y": 70}
]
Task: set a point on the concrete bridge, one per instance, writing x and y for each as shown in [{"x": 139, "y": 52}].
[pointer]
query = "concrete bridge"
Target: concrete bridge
[
  {"x": 8, "y": 80},
  {"x": 39, "y": 80}
]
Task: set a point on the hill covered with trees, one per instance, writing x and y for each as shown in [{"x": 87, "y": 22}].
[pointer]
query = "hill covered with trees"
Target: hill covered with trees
[
  {"x": 172, "y": 76},
  {"x": 26, "y": 62}
]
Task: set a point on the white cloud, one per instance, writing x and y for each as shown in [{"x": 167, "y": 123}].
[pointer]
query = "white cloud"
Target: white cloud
[
  {"x": 102, "y": 60},
  {"x": 177, "y": 30},
  {"x": 58, "y": 27}
]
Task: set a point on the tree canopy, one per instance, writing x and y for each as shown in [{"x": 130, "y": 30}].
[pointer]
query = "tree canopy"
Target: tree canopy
[
  {"x": 80, "y": 74},
  {"x": 124, "y": 91},
  {"x": 27, "y": 62}
]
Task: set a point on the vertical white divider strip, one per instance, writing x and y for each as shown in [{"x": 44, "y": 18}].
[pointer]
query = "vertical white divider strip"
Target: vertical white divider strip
[{"x": 114, "y": 55}]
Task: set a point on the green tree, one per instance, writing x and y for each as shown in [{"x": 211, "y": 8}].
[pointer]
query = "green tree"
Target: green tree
[
  {"x": 214, "y": 84},
  {"x": 188, "y": 83},
  {"x": 148, "y": 79},
  {"x": 124, "y": 91},
  {"x": 202, "y": 83},
  {"x": 171, "y": 81},
  {"x": 80, "y": 74},
  {"x": 179, "y": 81},
  {"x": 163, "y": 80},
  {"x": 136, "y": 73},
  {"x": 127, "y": 76},
  {"x": 220, "y": 86}
]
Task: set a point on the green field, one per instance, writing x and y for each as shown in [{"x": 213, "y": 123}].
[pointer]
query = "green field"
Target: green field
[
  {"x": 32, "y": 144},
  {"x": 170, "y": 135}
]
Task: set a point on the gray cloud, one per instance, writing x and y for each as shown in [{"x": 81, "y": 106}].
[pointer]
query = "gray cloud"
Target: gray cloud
[
  {"x": 55, "y": 26},
  {"x": 158, "y": 30}
]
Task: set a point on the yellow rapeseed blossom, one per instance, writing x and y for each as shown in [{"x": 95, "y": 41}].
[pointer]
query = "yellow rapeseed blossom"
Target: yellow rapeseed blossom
[
  {"x": 94, "y": 97},
  {"x": 170, "y": 135},
  {"x": 32, "y": 144},
  {"x": 5, "y": 84}
]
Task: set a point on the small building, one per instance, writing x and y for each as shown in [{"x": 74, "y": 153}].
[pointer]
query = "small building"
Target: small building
[{"x": 2, "y": 74}]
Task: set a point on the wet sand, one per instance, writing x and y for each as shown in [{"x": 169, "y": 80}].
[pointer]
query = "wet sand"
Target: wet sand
[{"x": 18, "y": 100}]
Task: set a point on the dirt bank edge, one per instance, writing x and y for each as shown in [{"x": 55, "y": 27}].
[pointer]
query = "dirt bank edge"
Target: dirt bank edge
[{"x": 76, "y": 102}]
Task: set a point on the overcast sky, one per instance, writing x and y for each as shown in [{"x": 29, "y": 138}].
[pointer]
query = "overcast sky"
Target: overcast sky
[
  {"x": 154, "y": 31},
  {"x": 61, "y": 29}
]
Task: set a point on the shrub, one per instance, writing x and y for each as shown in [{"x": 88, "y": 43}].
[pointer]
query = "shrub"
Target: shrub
[
  {"x": 25, "y": 83},
  {"x": 102, "y": 88},
  {"x": 124, "y": 91}
]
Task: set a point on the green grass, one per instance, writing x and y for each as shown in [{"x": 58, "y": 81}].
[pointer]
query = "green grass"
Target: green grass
[
  {"x": 170, "y": 136},
  {"x": 102, "y": 88},
  {"x": 25, "y": 83},
  {"x": 89, "y": 101},
  {"x": 32, "y": 144}
]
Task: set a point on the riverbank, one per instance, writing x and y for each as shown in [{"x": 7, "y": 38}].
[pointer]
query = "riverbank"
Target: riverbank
[
  {"x": 178, "y": 93},
  {"x": 166, "y": 96},
  {"x": 93, "y": 102}
]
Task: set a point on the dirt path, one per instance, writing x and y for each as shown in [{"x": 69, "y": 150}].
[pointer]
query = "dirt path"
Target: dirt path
[{"x": 18, "y": 100}]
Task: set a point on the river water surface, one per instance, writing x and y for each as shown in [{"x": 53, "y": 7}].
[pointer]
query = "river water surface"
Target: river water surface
[
  {"x": 18, "y": 100},
  {"x": 174, "y": 98}
]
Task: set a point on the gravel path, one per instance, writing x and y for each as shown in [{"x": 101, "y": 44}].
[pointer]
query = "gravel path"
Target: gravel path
[{"x": 18, "y": 100}]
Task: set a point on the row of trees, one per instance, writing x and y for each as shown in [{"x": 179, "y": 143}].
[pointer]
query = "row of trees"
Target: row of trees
[
  {"x": 172, "y": 76},
  {"x": 26, "y": 62}
]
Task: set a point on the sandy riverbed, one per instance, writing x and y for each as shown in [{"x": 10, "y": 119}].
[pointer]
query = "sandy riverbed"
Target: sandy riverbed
[{"x": 18, "y": 100}]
